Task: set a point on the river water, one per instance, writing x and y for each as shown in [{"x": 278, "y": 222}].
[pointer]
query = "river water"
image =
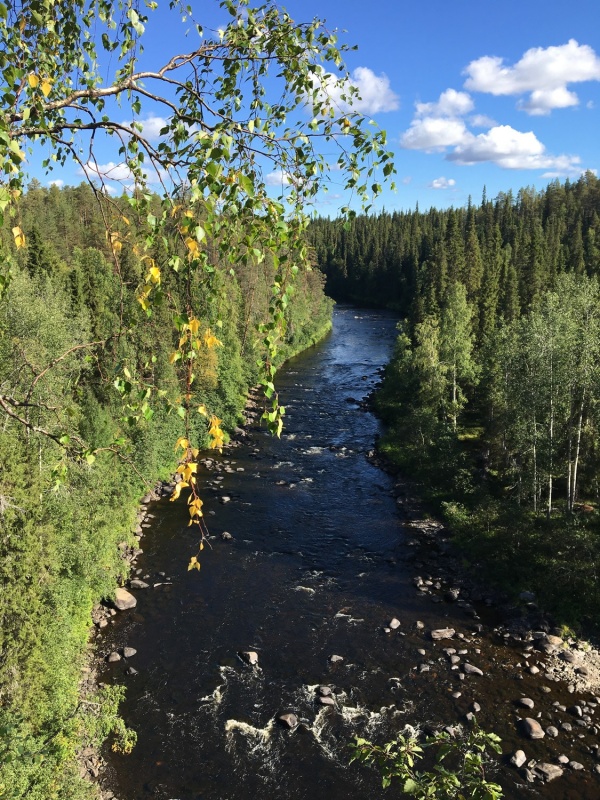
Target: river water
[{"x": 317, "y": 567}]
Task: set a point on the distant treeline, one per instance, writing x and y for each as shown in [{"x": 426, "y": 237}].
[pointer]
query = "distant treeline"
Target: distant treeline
[
  {"x": 70, "y": 326},
  {"x": 493, "y": 393}
]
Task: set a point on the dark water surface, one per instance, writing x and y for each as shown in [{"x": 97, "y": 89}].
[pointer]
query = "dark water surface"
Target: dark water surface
[{"x": 317, "y": 567}]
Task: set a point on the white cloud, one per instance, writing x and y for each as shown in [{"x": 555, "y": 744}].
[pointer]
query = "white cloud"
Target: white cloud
[
  {"x": 542, "y": 72},
  {"x": 511, "y": 149},
  {"x": 151, "y": 126},
  {"x": 277, "y": 178},
  {"x": 110, "y": 170},
  {"x": 407, "y": 179},
  {"x": 434, "y": 133},
  {"x": 542, "y": 101},
  {"x": 57, "y": 182},
  {"x": 482, "y": 121},
  {"x": 442, "y": 183},
  {"x": 450, "y": 104},
  {"x": 590, "y": 104},
  {"x": 374, "y": 92},
  {"x": 111, "y": 190}
]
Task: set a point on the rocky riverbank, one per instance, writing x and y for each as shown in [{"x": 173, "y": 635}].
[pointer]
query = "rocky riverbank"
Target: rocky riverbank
[{"x": 526, "y": 645}]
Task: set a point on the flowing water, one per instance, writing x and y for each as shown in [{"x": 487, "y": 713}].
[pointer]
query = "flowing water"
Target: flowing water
[{"x": 317, "y": 567}]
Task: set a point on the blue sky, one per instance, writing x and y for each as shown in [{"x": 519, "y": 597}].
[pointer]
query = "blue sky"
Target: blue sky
[{"x": 501, "y": 94}]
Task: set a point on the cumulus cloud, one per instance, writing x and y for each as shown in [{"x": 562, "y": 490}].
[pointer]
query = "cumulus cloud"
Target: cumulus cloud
[
  {"x": 57, "y": 182},
  {"x": 374, "y": 92},
  {"x": 151, "y": 126},
  {"x": 482, "y": 121},
  {"x": 442, "y": 127},
  {"x": 511, "y": 149},
  {"x": 450, "y": 104},
  {"x": 277, "y": 178},
  {"x": 111, "y": 171},
  {"x": 434, "y": 133},
  {"x": 442, "y": 183},
  {"x": 543, "y": 73}
]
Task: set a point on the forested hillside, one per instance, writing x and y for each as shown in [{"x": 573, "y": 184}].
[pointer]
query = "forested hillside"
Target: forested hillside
[
  {"x": 77, "y": 450},
  {"x": 494, "y": 389}
]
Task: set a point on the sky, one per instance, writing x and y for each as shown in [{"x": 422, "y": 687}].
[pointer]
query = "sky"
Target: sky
[{"x": 474, "y": 93}]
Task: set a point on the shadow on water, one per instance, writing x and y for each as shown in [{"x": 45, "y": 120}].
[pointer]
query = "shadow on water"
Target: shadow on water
[{"x": 317, "y": 566}]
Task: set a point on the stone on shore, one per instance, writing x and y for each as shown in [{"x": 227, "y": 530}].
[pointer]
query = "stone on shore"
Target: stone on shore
[{"x": 124, "y": 599}]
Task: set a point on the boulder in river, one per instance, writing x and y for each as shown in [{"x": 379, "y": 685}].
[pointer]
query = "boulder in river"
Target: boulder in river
[
  {"x": 532, "y": 728},
  {"x": 112, "y": 657},
  {"x": 442, "y": 633},
  {"x": 518, "y": 758},
  {"x": 124, "y": 599},
  {"x": 289, "y": 720},
  {"x": 526, "y": 702},
  {"x": 547, "y": 772},
  {"x": 335, "y": 659},
  {"x": 469, "y": 669},
  {"x": 250, "y": 657},
  {"x": 326, "y": 701},
  {"x": 394, "y": 623},
  {"x": 129, "y": 652},
  {"x": 136, "y": 583}
]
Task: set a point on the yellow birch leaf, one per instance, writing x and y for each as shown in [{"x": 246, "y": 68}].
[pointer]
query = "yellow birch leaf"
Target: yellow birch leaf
[
  {"x": 177, "y": 490},
  {"x": 154, "y": 275},
  {"x": 202, "y": 410},
  {"x": 194, "y": 564},
  {"x": 194, "y": 325},
  {"x": 33, "y": 80},
  {"x": 182, "y": 442},
  {"x": 192, "y": 246},
  {"x": 46, "y": 87},
  {"x": 19, "y": 237}
]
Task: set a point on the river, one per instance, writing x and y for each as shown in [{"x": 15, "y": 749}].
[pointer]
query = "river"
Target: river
[{"x": 318, "y": 565}]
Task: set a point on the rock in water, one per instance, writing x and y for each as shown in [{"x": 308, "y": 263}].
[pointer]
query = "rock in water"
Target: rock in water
[
  {"x": 128, "y": 652},
  {"x": 334, "y": 659},
  {"x": 136, "y": 583},
  {"x": 393, "y": 624},
  {"x": 124, "y": 599},
  {"x": 113, "y": 657},
  {"x": 250, "y": 657},
  {"x": 442, "y": 633},
  {"x": 469, "y": 669},
  {"x": 547, "y": 772},
  {"x": 532, "y": 728},
  {"x": 289, "y": 720},
  {"x": 518, "y": 758},
  {"x": 326, "y": 701}
]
